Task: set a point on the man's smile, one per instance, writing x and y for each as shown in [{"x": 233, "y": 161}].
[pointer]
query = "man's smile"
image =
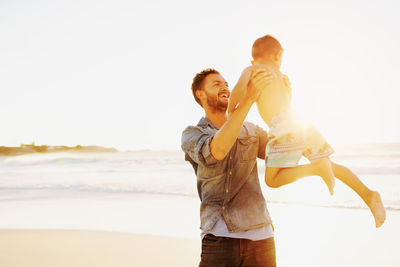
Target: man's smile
[{"x": 224, "y": 95}]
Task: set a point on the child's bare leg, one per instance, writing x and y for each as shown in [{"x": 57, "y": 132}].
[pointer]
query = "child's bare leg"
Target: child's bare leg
[
  {"x": 371, "y": 198},
  {"x": 324, "y": 169},
  {"x": 276, "y": 177}
]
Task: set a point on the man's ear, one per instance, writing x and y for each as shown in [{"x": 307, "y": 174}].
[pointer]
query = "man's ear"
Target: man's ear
[{"x": 199, "y": 94}]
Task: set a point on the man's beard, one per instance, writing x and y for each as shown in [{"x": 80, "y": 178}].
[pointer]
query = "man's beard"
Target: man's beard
[{"x": 215, "y": 104}]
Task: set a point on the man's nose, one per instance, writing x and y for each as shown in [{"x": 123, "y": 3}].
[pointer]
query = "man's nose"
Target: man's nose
[{"x": 225, "y": 87}]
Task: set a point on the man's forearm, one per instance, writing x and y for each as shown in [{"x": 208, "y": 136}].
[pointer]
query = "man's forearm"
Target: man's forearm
[
  {"x": 238, "y": 92},
  {"x": 226, "y": 136}
]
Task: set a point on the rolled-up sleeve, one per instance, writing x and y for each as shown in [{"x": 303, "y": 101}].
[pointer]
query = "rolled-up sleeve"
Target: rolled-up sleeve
[
  {"x": 196, "y": 144},
  {"x": 263, "y": 140}
]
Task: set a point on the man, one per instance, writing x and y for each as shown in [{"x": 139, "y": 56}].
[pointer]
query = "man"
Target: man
[{"x": 236, "y": 226}]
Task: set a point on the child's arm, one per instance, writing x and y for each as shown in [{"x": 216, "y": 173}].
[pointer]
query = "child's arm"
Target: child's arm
[{"x": 239, "y": 90}]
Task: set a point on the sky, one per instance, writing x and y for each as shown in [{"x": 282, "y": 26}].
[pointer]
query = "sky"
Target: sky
[{"x": 118, "y": 73}]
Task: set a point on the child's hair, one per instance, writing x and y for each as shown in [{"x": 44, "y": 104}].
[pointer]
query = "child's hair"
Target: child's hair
[
  {"x": 198, "y": 81},
  {"x": 266, "y": 45}
]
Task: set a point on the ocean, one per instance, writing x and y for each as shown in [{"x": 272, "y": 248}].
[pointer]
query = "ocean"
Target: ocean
[{"x": 166, "y": 173}]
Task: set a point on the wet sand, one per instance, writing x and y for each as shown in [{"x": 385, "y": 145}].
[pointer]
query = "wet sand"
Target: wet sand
[{"x": 149, "y": 230}]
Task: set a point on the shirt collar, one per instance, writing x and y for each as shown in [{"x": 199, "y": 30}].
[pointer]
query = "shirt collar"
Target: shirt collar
[{"x": 204, "y": 122}]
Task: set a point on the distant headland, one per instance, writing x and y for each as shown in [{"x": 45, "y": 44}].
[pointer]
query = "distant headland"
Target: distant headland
[{"x": 32, "y": 148}]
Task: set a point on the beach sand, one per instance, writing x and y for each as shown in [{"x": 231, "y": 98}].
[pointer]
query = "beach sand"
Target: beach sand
[
  {"x": 156, "y": 230},
  {"x": 74, "y": 248}
]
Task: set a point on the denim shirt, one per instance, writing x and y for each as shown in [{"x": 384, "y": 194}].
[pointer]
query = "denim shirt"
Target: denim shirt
[{"x": 228, "y": 188}]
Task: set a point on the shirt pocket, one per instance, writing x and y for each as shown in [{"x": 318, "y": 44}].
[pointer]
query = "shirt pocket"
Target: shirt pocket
[{"x": 248, "y": 148}]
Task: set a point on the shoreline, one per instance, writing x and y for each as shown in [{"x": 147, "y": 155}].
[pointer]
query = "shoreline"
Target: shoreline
[{"x": 28, "y": 149}]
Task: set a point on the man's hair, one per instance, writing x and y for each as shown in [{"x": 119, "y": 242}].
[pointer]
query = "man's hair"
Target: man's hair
[
  {"x": 198, "y": 81},
  {"x": 266, "y": 45}
]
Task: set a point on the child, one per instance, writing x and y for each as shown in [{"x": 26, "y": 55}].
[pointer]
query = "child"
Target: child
[{"x": 289, "y": 138}]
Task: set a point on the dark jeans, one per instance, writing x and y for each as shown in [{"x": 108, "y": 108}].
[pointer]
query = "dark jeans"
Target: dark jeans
[{"x": 231, "y": 252}]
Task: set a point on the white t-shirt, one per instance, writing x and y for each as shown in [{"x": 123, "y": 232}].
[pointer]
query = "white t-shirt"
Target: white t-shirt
[{"x": 220, "y": 229}]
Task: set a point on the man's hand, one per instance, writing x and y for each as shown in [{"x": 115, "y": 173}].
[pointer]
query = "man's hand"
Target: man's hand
[
  {"x": 287, "y": 84},
  {"x": 259, "y": 80},
  {"x": 286, "y": 81}
]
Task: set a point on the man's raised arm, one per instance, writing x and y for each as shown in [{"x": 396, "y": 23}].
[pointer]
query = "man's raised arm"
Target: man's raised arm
[{"x": 226, "y": 136}]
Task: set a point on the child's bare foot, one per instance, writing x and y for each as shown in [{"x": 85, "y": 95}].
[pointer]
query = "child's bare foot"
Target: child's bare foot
[
  {"x": 323, "y": 168},
  {"x": 375, "y": 204}
]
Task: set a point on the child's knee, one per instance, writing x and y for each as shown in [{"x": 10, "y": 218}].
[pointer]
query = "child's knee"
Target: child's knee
[{"x": 270, "y": 174}]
